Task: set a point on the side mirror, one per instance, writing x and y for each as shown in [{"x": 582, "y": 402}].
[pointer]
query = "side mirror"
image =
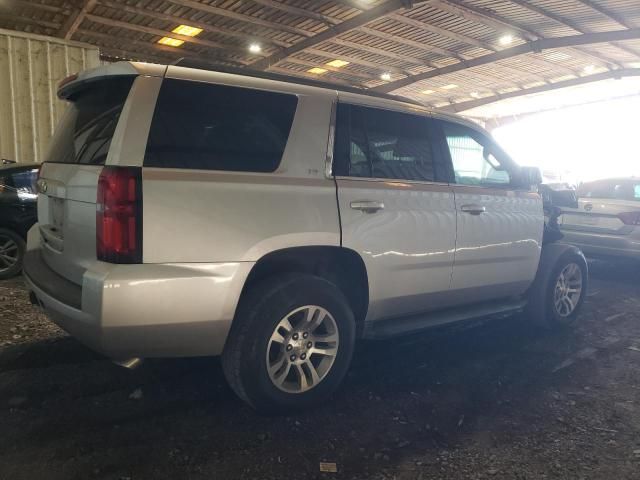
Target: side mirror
[{"x": 530, "y": 177}]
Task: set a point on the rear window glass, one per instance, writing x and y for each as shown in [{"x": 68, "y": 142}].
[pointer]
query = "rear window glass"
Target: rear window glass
[
  {"x": 87, "y": 127},
  {"x": 215, "y": 127},
  {"x": 615, "y": 190}
]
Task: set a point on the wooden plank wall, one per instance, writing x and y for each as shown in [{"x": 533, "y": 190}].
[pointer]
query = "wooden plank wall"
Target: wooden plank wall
[{"x": 31, "y": 67}]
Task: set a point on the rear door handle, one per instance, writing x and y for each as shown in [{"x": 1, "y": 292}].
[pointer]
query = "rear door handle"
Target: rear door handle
[
  {"x": 367, "y": 206},
  {"x": 473, "y": 209}
]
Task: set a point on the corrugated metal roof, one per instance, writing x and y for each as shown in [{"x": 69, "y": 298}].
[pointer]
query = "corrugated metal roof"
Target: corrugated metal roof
[{"x": 401, "y": 38}]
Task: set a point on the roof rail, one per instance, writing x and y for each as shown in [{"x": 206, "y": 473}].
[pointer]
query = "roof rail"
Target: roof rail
[{"x": 248, "y": 72}]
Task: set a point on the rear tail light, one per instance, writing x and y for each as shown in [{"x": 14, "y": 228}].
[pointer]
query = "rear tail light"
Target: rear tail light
[
  {"x": 630, "y": 218},
  {"x": 119, "y": 215}
]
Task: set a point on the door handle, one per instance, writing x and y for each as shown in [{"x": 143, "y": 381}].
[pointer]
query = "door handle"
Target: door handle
[
  {"x": 367, "y": 206},
  {"x": 473, "y": 209}
]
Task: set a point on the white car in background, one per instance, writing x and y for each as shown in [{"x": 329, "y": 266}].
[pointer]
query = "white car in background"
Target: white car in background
[{"x": 607, "y": 220}]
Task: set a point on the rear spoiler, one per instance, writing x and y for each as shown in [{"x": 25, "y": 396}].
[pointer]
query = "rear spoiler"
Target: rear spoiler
[{"x": 77, "y": 81}]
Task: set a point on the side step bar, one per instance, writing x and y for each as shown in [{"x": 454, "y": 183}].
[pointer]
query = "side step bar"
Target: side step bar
[{"x": 404, "y": 325}]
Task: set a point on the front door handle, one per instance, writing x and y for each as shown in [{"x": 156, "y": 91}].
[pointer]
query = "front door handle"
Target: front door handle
[
  {"x": 367, "y": 206},
  {"x": 473, "y": 209}
]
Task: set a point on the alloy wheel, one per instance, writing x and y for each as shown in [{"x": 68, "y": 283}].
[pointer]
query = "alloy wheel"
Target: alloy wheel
[
  {"x": 9, "y": 253},
  {"x": 302, "y": 349},
  {"x": 568, "y": 290}
]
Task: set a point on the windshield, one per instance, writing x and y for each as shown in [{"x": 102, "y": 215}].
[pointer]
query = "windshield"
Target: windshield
[{"x": 85, "y": 131}]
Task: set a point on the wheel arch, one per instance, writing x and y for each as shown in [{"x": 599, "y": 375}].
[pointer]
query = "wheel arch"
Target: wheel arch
[{"x": 342, "y": 266}]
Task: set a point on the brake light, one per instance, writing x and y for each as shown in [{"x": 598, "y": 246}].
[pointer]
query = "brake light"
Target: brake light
[
  {"x": 119, "y": 215},
  {"x": 630, "y": 218}
]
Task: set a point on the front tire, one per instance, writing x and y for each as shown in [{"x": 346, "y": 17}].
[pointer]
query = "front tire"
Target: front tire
[
  {"x": 559, "y": 291},
  {"x": 12, "y": 249},
  {"x": 291, "y": 343}
]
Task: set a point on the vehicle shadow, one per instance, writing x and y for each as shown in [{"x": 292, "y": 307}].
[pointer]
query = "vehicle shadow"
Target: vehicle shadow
[
  {"x": 410, "y": 396},
  {"x": 615, "y": 270}
]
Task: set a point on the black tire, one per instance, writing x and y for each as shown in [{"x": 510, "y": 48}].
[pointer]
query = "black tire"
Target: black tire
[
  {"x": 541, "y": 307},
  {"x": 260, "y": 310},
  {"x": 10, "y": 236}
]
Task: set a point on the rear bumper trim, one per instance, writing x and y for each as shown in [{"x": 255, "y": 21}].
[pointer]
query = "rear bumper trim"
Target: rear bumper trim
[{"x": 54, "y": 285}]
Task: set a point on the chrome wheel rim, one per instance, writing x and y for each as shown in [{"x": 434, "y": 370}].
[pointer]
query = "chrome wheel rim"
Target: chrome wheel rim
[
  {"x": 302, "y": 349},
  {"x": 9, "y": 253},
  {"x": 568, "y": 290}
]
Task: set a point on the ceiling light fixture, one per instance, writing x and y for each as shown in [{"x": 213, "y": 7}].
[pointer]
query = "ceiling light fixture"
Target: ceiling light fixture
[
  {"x": 317, "y": 70},
  {"x": 451, "y": 86},
  {"x": 427, "y": 92},
  {"x": 589, "y": 69},
  {"x": 386, "y": 76},
  {"x": 337, "y": 63},
  {"x": 475, "y": 94},
  {"x": 187, "y": 31},
  {"x": 255, "y": 48},
  {"x": 506, "y": 40},
  {"x": 172, "y": 42}
]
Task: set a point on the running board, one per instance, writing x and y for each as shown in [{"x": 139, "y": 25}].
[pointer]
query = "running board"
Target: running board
[{"x": 415, "y": 323}]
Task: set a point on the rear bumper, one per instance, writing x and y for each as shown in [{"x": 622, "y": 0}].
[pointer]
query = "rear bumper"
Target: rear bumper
[
  {"x": 146, "y": 310},
  {"x": 604, "y": 244}
]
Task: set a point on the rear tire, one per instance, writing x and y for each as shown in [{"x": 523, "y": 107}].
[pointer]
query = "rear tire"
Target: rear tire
[
  {"x": 12, "y": 249},
  {"x": 291, "y": 343},
  {"x": 558, "y": 293}
]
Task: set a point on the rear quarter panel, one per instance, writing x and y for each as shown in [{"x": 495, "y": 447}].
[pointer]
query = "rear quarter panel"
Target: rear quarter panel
[{"x": 213, "y": 216}]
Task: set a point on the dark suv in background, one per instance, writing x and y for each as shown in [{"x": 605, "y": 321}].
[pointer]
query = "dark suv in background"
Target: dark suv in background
[{"x": 18, "y": 212}]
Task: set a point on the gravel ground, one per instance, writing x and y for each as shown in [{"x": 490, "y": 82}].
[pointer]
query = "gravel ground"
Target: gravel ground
[{"x": 498, "y": 400}]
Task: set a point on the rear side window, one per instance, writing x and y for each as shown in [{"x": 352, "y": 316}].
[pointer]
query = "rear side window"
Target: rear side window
[
  {"x": 216, "y": 127},
  {"x": 87, "y": 127},
  {"x": 377, "y": 143}
]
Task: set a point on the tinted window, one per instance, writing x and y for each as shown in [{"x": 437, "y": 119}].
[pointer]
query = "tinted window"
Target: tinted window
[
  {"x": 474, "y": 157},
  {"x": 19, "y": 184},
  {"x": 214, "y": 127},
  {"x": 382, "y": 144},
  {"x": 85, "y": 132},
  {"x": 611, "y": 189}
]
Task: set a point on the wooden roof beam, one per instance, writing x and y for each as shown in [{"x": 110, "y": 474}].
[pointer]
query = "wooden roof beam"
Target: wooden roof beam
[
  {"x": 572, "y": 25},
  {"x": 74, "y": 20},
  {"x": 360, "y": 20},
  {"x": 501, "y": 24},
  {"x": 356, "y": 61},
  {"x": 28, "y": 20},
  {"x": 425, "y": 47},
  {"x": 174, "y": 52},
  {"x": 530, "y": 47},
  {"x": 484, "y": 16},
  {"x": 222, "y": 12},
  {"x": 179, "y": 20},
  {"x": 302, "y": 12},
  {"x": 163, "y": 33},
  {"x": 463, "y": 106},
  {"x": 442, "y": 32},
  {"x": 38, "y": 6}
]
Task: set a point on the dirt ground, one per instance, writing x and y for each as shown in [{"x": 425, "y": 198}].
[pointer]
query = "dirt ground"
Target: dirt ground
[{"x": 498, "y": 400}]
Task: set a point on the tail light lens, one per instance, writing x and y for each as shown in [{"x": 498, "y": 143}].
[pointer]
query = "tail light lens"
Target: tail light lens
[
  {"x": 630, "y": 218},
  {"x": 119, "y": 215}
]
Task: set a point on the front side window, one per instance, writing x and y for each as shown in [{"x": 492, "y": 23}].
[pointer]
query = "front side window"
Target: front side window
[
  {"x": 216, "y": 127},
  {"x": 377, "y": 143},
  {"x": 474, "y": 158}
]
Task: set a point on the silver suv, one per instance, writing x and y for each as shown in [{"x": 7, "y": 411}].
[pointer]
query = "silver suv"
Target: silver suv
[{"x": 187, "y": 212}]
